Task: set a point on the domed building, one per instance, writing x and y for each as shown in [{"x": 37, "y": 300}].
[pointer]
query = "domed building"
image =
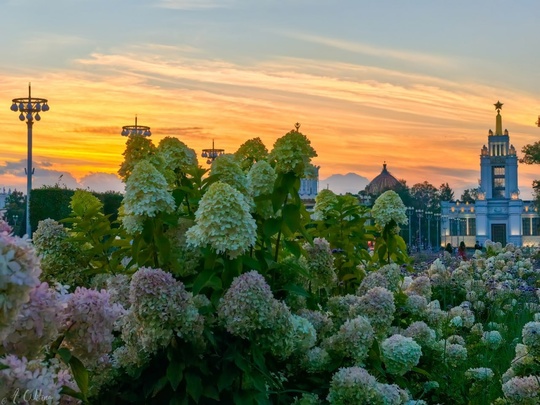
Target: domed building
[{"x": 383, "y": 182}]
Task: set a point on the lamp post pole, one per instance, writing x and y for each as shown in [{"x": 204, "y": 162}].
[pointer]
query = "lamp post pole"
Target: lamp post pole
[
  {"x": 429, "y": 214},
  {"x": 29, "y": 108},
  {"x": 410, "y": 212},
  {"x": 419, "y": 213},
  {"x": 438, "y": 238}
]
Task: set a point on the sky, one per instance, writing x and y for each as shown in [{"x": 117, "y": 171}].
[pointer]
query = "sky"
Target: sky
[{"x": 409, "y": 83}]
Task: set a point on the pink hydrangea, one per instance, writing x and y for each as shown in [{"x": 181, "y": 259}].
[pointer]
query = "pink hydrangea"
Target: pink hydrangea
[
  {"x": 19, "y": 273},
  {"x": 37, "y": 324},
  {"x": 90, "y": 318}
]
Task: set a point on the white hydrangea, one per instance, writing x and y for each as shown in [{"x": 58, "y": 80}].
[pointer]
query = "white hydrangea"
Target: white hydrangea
[
  {"x": 388, "y": 207},
  {"x": 400, "y": 354},
  {"x": 223, "y": 221}
]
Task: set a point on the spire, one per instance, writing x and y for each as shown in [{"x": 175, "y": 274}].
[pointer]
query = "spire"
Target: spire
[{"x": 498, "y": 126}]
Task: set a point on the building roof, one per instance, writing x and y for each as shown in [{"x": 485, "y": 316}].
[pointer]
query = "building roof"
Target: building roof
[{"x": 383, "y": 182}]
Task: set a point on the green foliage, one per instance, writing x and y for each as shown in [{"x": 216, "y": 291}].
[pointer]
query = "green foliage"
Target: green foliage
[
  {"x": 16, "y": 212},
  {"x": 101, "y": 246},
  {"x": 344, "y": 227},
  {"x": 49, "y": 202}
]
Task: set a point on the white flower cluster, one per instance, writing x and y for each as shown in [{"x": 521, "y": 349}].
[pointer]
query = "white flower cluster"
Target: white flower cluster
[
  {"x": 19, "y": 272},
  {"x": 292, "y": 153},
  {"x": 400, "y": 354},
  {"x": 223, "y": 221},
  {"x": 387, "y": 207}
]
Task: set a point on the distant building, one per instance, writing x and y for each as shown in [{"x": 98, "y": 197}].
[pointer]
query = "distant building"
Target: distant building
[
  {"x": 309, "y": 186},
  {"x": 384, "y": 181},
  {"x": 498, "y": 214},
  {"x": 3, "y": 196}
]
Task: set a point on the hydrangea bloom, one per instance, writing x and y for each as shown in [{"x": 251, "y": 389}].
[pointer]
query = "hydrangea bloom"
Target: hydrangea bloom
[
  {"x": 5, "y": 227},
  {"x": 138, "y": 147},
  {"x": 416, "y": 304},
  {"x": 421, "y": 333},
  {"x": 455, "y": 354},
  {"x": 388, "y": 207},
  {"x": 354, "y": 339},
  {"x": 479, "y": 374},
  {"x": 223, "y": 221},
  {"x": 228, "y": 170},
  {"x": 522, "y": 390},
  {"x": 59, "y": 255},
  {"x": 323, "y": 203},
  {"x": 400, "y": 354},
  {"x": 176, "y": 154},
  {"x": 146, "y": 192},
  {"x": 292, "y": 153},
  {"x": 90, "y": 320},
  {"x": 531, "y": 337},
  {"x": 251, "y": 152},
  {"x": 320, "y": 321},
  {"x": 305, "y": 335},
  {"x": 159, "y": 302},
  {"x": 321, "y": 264},
  {"x": 354, "y": 385},
  {"x": 378, "y": 306},
  {"x": 19, "y": 272},
  {"x": 343, "y": 307},
  {"x": 372, "y": 280},
  {"x": 315, "y": 359},
  {"x": 249, "y": 310},
  {"x": 42, "y": 382},
  {"x": 261, "y": 178},
  {"x": 492, "y": 339},
  {"x": 37, "y": 324}
]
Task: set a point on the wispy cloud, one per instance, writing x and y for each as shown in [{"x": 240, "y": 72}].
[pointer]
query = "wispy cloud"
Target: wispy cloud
[
  {"x": 194, "y": 4},
  {"x": 366, "y": 49}
]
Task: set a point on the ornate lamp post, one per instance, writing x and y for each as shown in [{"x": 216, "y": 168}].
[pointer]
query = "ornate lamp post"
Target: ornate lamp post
[
  {"x": 136, "y": 129},
  {"x": 429, "y": 214},
  {"x": 410, "y": 212},
  {"x": 419, "y": 214},
  {"x": 212, "y": 154},
  {"x": 29, "y": 108},
  {"x": 437, "y": 239},
  {"x": 444, "y": 219}
]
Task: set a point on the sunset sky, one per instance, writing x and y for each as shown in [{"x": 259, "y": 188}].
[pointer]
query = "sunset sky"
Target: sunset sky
[{"x": 411, "y": 83}]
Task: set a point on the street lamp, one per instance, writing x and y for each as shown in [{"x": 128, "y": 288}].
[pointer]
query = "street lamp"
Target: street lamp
[
  {"x": 437, "y": 239},
  {"x": 136, "y": 129},
  {"x": 29, "y": 108},
  {"x": 419, "y": 214},
  {"x": 410, "y": 212},
  {"x": 212, "y": 154},
  {"x": 429, "y": 214}
]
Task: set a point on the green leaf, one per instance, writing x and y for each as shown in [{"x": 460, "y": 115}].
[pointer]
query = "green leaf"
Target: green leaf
[
  {"x": 80, "y": 374},
  {"x": 271, "y": 226},
  {"x": 297, "y": 290},
  {"x": 194, "y": 386},
  {"x": 64, "y": 354},
  {"x": 175, "y": 373},
  {"x": 291, "y": 216},
  {"x": 227, "y": 377},
  {"x": 293, "y": 247},
  {"x": 72, "y": 393},
  {"x": 203, "y": 279},
  {"x": 421, "y": 371}
]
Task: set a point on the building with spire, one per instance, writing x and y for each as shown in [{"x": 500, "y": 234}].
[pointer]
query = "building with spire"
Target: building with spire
[{"x": 498, "y": 214}]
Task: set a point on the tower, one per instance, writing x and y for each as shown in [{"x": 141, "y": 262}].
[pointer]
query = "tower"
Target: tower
[{"x": 498, "y": 208}]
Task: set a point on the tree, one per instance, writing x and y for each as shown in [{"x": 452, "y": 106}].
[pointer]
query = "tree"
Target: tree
[
  {"x": 532, "y": 156},
  {"x": 531, "y": 153},
  {"x": 15, "y": 211},
  {"x": 469, "y": 195},
  {"x": 425, "y": 196},
  {"x": 445, "y": 192}
]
